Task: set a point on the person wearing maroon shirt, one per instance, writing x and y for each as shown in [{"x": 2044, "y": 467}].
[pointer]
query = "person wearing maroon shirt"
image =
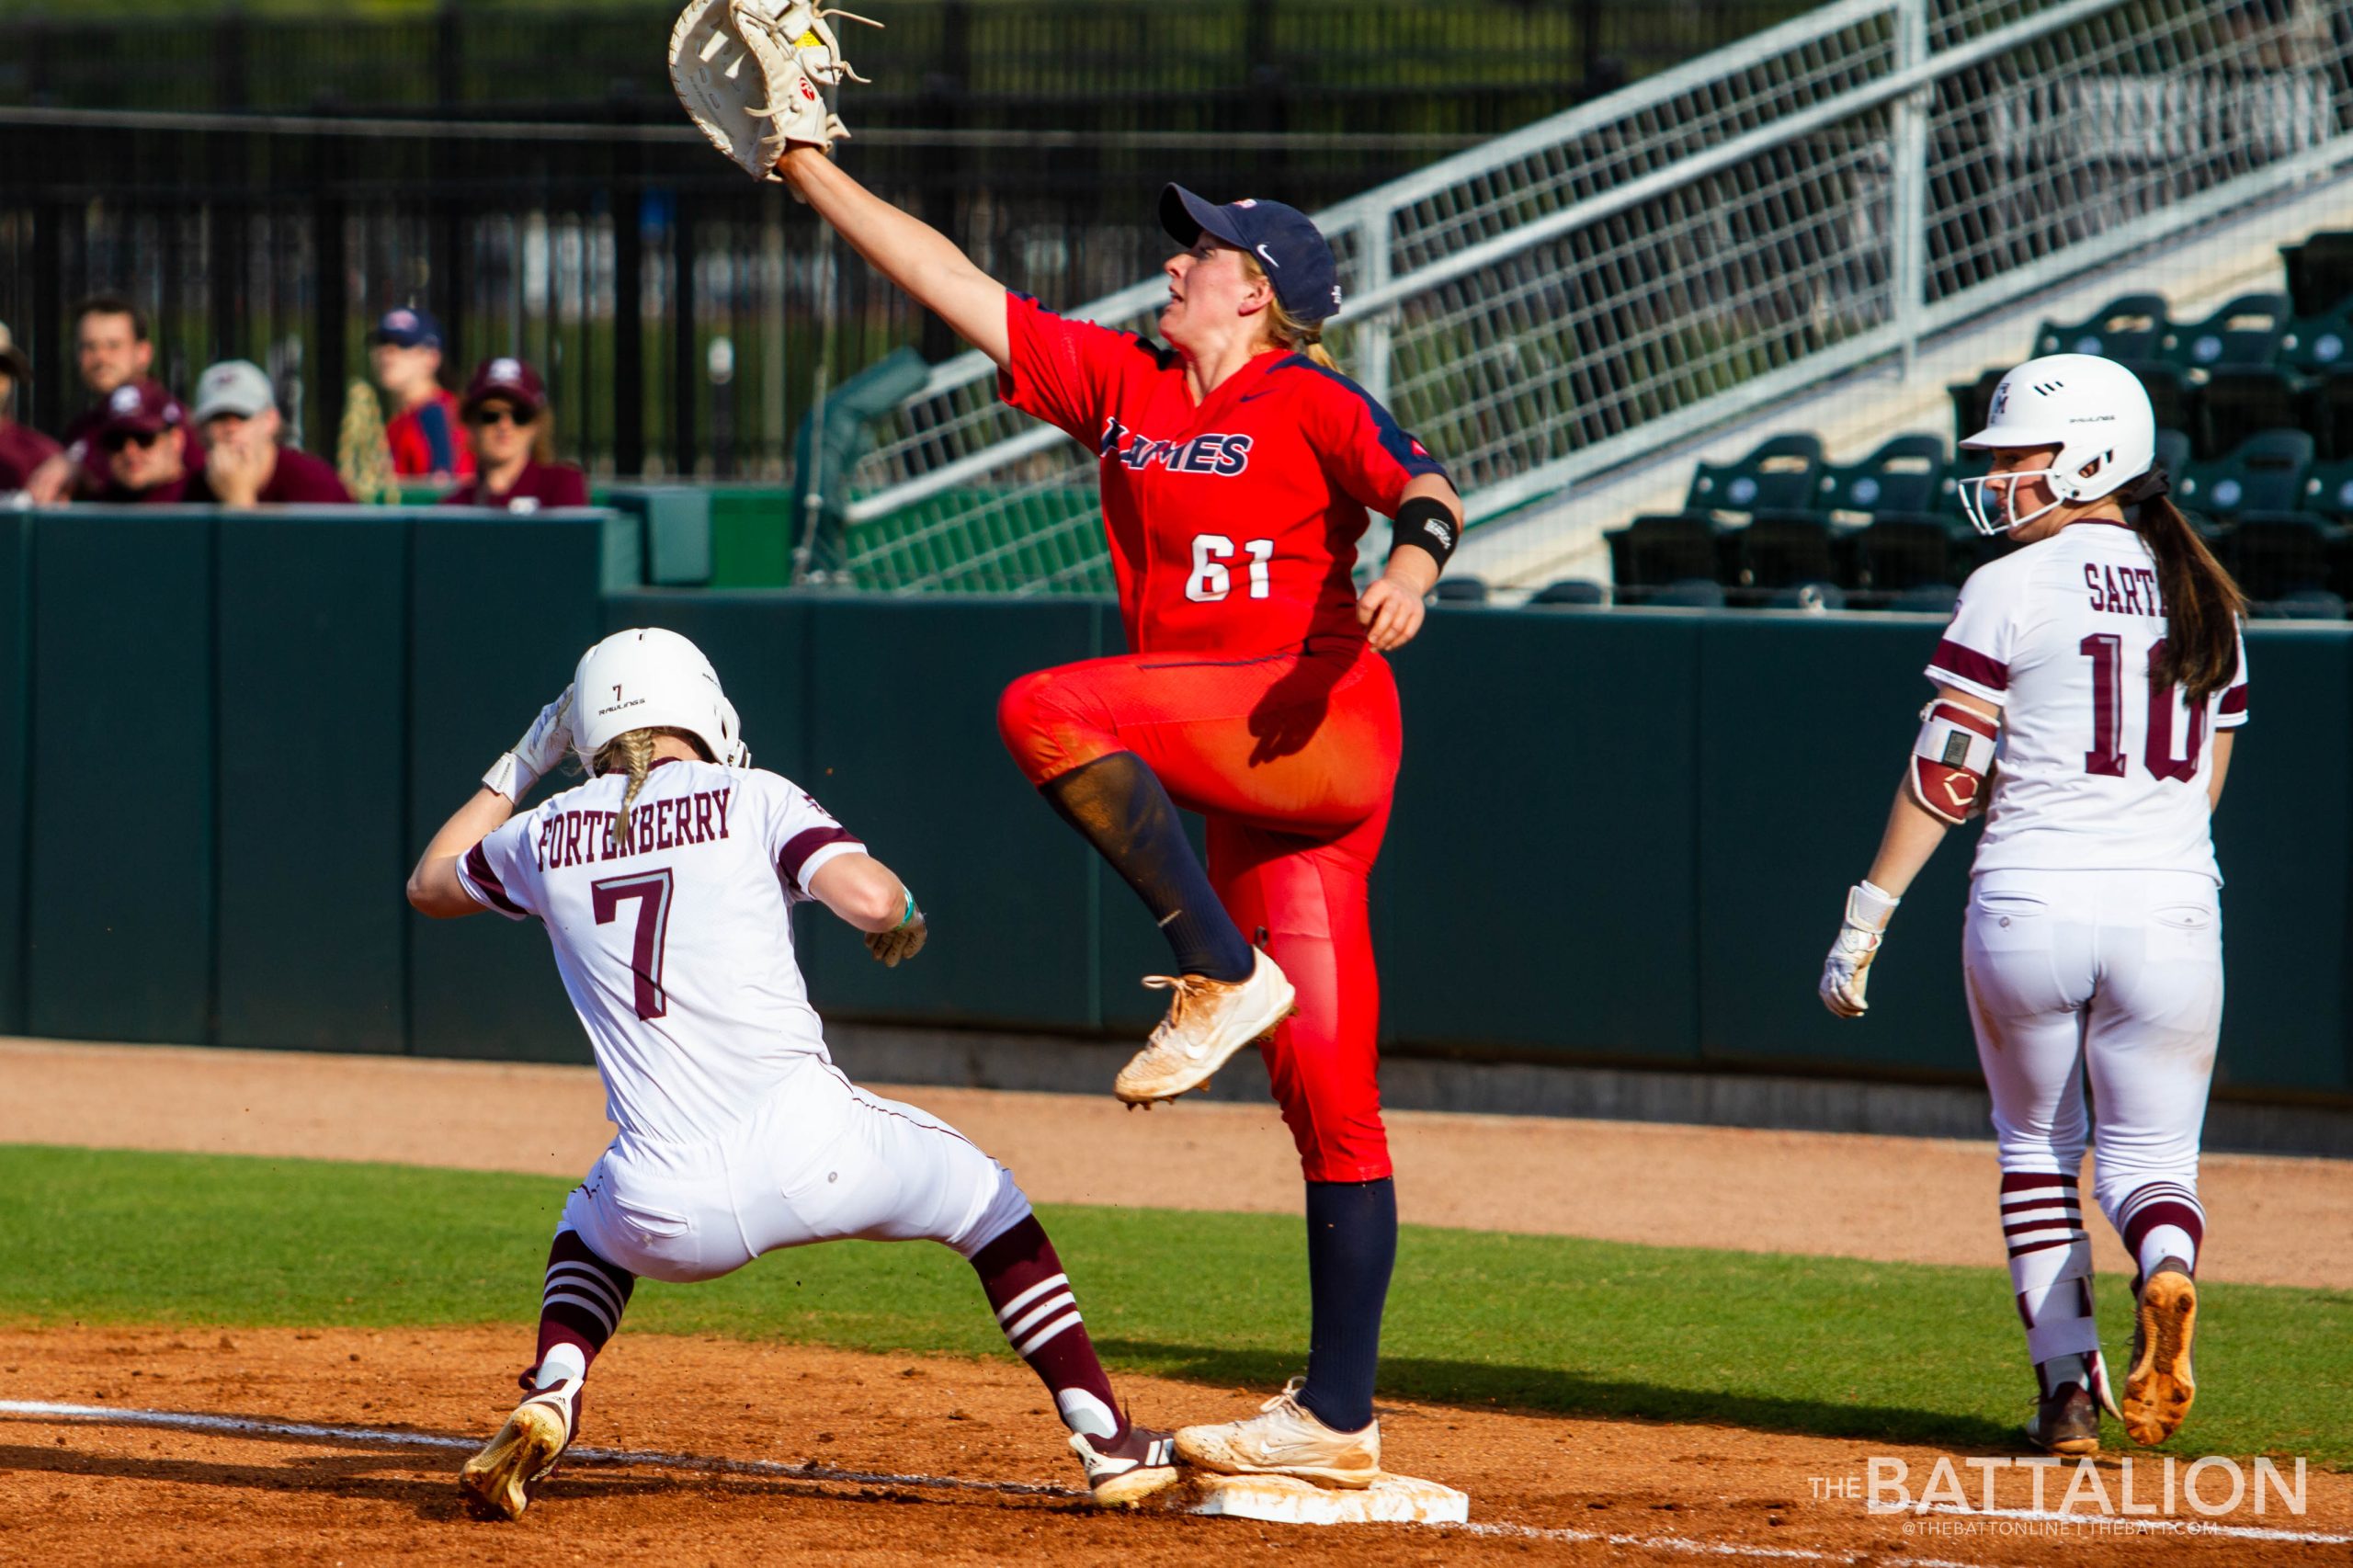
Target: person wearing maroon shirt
[
  {"x": 404, "y": 351},
  {"x": 245, "y": 460},
  {"x": 505, "y": 409},
  {"x": 22, "y": 449},
  {"x": 111, "y": 350},
  {"x": 143, "y": 440}
]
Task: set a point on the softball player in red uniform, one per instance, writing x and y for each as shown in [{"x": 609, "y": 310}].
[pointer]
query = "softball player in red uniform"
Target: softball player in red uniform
[
  {"x": 2095, "y": 677},
  {"x": 1238, "y": 467}
]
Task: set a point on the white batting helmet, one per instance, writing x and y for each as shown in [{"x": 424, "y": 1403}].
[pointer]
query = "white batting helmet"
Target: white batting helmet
[
  {"x": 645, "y": 678},
  {"x": 2094, "y": 410}
]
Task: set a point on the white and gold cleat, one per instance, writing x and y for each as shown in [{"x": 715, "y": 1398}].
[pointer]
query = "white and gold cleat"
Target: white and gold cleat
[
  {"x": 1285, "y": 1438},
  {"x": 1206, "y": 1023},
  {"x": 500, "y": 1482}
]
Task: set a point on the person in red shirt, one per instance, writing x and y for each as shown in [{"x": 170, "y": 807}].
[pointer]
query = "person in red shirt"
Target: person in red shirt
[
  {"x": 404, "y": 351},
  {"x": 505, "y": 409},
  {"x": 22, "y": 449},
  {"x": 1238, "y": 467},
  {"x": 111, "y": 350},
  {"x": 246, "y": 462},
  {"x": 142, "y": 436}
]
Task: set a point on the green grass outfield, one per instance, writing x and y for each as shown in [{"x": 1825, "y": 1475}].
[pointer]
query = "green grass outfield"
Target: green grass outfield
[{"x": 1546, "y": 1323}]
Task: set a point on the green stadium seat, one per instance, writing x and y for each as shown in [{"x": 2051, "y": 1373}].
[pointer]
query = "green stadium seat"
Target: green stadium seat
[
  {"x": 1655, "y": 551},
  {"x": 1783, "y": 550},
  {"x": 1905, "y": 475},
  {"x": 2264, "y": 473},
  {"x": 2320, "y": 272},
  {"x": 1692, "y": 593},
  {"x": 2131, "y": 327},
  {"x": 2329, "y": 415},
  {"x": 1702, "y": 541},
  {"x": 2239, "y": 400},
  {"x": 1461, "y": 590},
  {"x": 2173, "y": 451},
  {"x": 2244, "y": 332},
  {"x": 2311, "y": 605},
  {"x": 1570, "y": 591},
  {"x": 2328, "y": 491},
  {"x": 1777, "y": 476}
]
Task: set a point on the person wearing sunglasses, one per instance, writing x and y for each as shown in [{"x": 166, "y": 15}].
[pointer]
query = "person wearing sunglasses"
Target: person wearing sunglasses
[
  {"x": 143, "y": 440},
  {"x": 506, "y": 414}
]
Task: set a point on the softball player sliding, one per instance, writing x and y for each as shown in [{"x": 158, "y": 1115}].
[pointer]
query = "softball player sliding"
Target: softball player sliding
[
  {"x": 2091, "y": 681},
  {"x": 664, "y": 883},
  {"x": 1237, "y": 467}
]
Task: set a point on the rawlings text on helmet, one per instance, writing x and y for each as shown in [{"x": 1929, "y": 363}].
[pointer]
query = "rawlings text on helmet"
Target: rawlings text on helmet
[{"x": 2093, "y": 411}]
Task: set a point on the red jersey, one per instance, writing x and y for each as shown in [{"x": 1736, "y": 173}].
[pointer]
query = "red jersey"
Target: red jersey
[
  {"x": 296, "y": 479},
  {"x": 425, "y": 440},
  {"x": 22, "y": 449},
  {"x": 1234, "y": 523},
  {"x": 538, "y": 486}
]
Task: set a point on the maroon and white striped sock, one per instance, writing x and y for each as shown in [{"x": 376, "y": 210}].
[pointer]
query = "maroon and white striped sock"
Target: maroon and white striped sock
[
  {"x": 2051, "y": 1267},
  {"x": 1039, "y": 1316},
  {"x": 580, "y": 1309},
  {"x": 2160, "y": 1220}
]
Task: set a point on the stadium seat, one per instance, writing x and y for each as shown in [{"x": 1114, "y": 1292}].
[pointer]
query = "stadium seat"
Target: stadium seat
[
  {"x": 2172, "y": 394},
  {"x": 1694, "y": 593},
  {"x": 2239, "y": 400},
  {"x": 2328, "y": 491},
  {"x": 1777, "y": 476},
  {"x": 1672, "y": 547},
  {"x": 2329, "y": 415},
  {"x": 2277, "y": 555},
  {"x": 1702, "y": 540},
  {"x": 2173, "y": 451},
  {"x": 1929, "y": 598},
  {"x": 1570, "y": 591},
  {"x": 2127, "y": 328},
  {"x": 2320, "y": 272},
  {"x": 1781, "y": 549},
  {"x": 2244, "y": 332},
  {"x": 1461, "y": 590},
  {"x": 1899, "y": 491},
  {"x": 2264, "y": 473},
  {"x": 2312, "y": 606}
]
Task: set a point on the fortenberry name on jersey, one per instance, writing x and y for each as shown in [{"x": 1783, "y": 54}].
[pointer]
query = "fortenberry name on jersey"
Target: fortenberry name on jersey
[
  {"x": 1211, "y": 454},
  {"x": 2123, "y": 590},
  {"x": 578, "y": 839}
]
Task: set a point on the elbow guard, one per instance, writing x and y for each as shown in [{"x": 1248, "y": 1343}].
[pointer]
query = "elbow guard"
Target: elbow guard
[
  {"x": 1952, "y": 762},
  {"x": 1424, "y": 523}
]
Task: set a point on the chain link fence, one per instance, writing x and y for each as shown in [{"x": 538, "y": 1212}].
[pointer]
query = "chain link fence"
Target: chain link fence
[{"x": 1572, "y": 296}]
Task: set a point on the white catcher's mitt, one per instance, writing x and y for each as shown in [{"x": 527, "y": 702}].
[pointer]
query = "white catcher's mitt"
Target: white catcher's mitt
[{"x": 750, "y": 74}]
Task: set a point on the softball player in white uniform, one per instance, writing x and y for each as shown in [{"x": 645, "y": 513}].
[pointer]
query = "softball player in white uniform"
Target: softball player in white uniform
[
  {"x": 664, "y": 883},
  {"x": 2091, "y": 682}
]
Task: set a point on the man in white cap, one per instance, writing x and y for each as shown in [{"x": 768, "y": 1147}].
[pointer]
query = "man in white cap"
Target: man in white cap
[
  {"x": 246, "y": 462},
  {"x": 22, "y": 449}
]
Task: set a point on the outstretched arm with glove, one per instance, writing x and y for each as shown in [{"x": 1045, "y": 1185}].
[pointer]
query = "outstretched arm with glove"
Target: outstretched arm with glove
[{"x": 1946, "y": 782}]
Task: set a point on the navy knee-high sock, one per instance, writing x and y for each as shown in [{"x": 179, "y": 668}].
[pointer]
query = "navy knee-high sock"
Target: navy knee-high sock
[
  {"x": 1351, "y": 1246},
  {"x": 1119, "y": 804}
]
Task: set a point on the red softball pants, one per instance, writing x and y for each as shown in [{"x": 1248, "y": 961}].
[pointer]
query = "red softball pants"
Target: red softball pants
[{"x": 1293, "y": 757}]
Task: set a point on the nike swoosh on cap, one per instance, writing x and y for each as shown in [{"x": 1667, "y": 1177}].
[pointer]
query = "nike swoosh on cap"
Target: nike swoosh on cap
[{"x": 1269, "y": 260}]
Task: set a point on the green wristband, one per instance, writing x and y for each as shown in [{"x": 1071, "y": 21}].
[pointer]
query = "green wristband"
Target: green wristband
[{"x": 909, "y": 918}]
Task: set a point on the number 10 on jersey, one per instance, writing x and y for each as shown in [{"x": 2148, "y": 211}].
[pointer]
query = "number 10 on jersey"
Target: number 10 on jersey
[
  {"x": 1212, "y": 555},
  {"x": 2106, "y": 759}
]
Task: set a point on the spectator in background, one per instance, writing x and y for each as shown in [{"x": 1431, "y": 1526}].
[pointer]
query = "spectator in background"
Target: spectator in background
[
  {"x": 111, "y": 350},
  {"x": 246, "y": 461},
  {"x": 142, "y": 436},
  {"x": 22, "y": 450},
  {"x": 405, "y": 353},
  {"x": 505, "y": 410}
]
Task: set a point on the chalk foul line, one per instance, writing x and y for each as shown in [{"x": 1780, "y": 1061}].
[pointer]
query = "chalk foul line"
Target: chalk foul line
[{"x": 190, "y": 1421}]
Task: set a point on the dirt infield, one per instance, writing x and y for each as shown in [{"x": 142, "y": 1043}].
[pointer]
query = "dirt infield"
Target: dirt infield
[
  {"x": 870, "y": 1430},
  {"x": 2272, "y": 1220}
]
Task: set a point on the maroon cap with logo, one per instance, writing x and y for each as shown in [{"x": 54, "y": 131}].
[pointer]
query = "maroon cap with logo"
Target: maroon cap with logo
[
  {"x": 141, "y": 408},
  {"x": 509, "y": 379}
]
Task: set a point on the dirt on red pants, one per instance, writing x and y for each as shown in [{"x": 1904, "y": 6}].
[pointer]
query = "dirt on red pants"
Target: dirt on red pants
[{"x": 1293, "y": 757}]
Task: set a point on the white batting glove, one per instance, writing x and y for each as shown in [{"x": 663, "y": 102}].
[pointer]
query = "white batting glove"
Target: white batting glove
[
  {"x": 536, "y": 755},
  {"x": 1848, "y": 968},
  {"x": 901, "y": 941}
]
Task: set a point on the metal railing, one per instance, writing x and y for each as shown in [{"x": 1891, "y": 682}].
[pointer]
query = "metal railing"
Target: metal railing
[{"x": 1575, "y": 295}]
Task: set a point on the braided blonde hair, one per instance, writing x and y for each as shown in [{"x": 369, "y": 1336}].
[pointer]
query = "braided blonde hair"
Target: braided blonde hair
[
  {"x": 1299, "y": 337},
  {"x": 631, "y": 753}
]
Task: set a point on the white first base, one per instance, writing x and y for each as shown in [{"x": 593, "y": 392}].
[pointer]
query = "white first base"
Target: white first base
[{"x": 1286, "y": 1500}]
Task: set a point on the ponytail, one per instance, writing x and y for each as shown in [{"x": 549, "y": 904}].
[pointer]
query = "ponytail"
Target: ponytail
[
  {"x": 631, "y": 753},
  {"x": 2203, "y": 607},
  {"x": 1288, "y": 330}
]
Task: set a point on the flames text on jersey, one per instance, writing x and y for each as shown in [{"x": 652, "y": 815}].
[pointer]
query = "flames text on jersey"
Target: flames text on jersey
[
  {"x": 2123, "y": 590},
  {"x": 576, "y": 838},
  {"x": 1220, "y": 455}
]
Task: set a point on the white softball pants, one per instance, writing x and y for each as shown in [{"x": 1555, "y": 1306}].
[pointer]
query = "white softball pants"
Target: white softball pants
[
  {"x": 2116, "y": 976},
  {"x": 821, "y": 1160}
]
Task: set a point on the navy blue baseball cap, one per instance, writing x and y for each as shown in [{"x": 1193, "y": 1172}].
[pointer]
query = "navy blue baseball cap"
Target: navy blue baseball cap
[
  {"x": 404, "y": 327},
  {"x": 1298, "y": 261}
]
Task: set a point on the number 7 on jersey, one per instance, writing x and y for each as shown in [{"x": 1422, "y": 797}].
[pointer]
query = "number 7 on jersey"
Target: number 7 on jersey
[{"x": 651, "y": 891}]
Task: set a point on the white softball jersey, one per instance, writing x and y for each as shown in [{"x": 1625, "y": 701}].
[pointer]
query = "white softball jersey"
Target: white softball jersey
[
  {"x": 737, "y": 1133},
  {"x": 2095, "y": 769},
  {"x": 678, "y": 955}
]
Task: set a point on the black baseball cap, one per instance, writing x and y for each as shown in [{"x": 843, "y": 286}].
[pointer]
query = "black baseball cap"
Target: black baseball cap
[{"x": 1298, "y": 261}]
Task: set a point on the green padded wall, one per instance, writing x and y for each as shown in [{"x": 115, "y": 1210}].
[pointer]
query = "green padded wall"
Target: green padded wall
[
  {"x": 119, "y": 927},
  {"x": 1803, "y": 724},
  {"x": 2287, "y": 855},
  {"x": 16, "y": 658},
  {"x": 312, "y": 626},
  {"x": 500, "y": 612},
  {"x": 1537, "y": 891},
  {"x": 751, "y": 538}
]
